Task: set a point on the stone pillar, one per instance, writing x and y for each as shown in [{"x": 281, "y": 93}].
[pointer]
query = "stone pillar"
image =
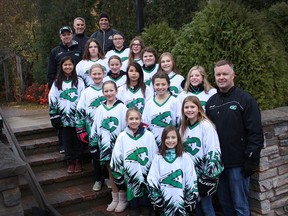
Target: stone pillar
[{"x": 10, "y": 196}]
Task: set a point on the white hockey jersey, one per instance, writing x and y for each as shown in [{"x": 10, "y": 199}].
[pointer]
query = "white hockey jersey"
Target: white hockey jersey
[
  {"x": 91, "y": 98},
  {"x": 158, "y": 116},
  {"x": 124, "y": 55},
  {"x": 175, "y": 83},
  {"x": 131, "y": 160},
  {"x": 148, "y": 74},
  {"x": 135, "y": 98},
  {"x": 108, "y": 124},
  {"x": 120, "y": 81},
  {"x": 202, "y": 96},
  {"x": 63, "y": 102},
  {"x": 202, "y": 143},
  {"x": 83, "y": 67},
  {"x": 173, "y": 184}
]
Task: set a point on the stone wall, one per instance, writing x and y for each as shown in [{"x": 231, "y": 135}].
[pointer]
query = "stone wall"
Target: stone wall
[
  {"x": 10, "y": 195},
  {"x": 269, "y": 186}
]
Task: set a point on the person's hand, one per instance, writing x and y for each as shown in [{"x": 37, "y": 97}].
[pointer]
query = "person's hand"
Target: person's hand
[
  {"x": 56, "y": 122},
  {"x": 250, "y": 165},
  {"x": 82, "y": 135},
  {"x": 206, "y": 185}
]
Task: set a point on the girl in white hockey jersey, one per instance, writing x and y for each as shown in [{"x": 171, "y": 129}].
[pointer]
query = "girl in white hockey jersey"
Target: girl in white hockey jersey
[
  {"x": 63, "y": 97},
  {"x": 116, "y": 74},
  {"x": 201, "y": 142},
  {"x": 172, "y": 180},
  {"x": 197, "y": 84},
  {"x": 109, "y": 122},
  {"x": 162, "y": 110},
  {"x": 91, "y": 98},
  {"x": 135, "y": 93},
  {"x": 168, "y": 65},
  {"x": 120, "y": 49},
  {"x": 93, "y": 54},
  {"x": 150, "y": 66},
  {"x": 131, "y": 159}
]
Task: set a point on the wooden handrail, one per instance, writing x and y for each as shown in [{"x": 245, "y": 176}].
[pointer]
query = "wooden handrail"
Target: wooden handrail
[{"x": 29, "y": 174}]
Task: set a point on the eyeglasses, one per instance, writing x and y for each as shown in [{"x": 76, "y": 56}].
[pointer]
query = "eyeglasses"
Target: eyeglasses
[
  {"x": 117, "y": 38},
  {"x": 136, "y": 44}
]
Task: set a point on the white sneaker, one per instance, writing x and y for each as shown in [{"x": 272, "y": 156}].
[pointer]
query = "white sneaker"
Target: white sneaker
[
  {"x": 107, "y": 183},
  {"x": 97, "y": 186}
]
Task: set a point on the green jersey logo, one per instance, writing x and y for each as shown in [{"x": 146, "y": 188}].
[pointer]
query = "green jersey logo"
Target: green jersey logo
[
  {"x": 139, "y": 103},
  {"x": 110, "y": 124},
  {"x": 174, "y": 90},
  {"x": 173, "y": 179},
  {"x": 192, "y": 145},
  {"x": 163, "y": 119},
  {"x": 97, "y": 102},
  {"x": 233, "y": 107},
  {"x": 148, "y": 82},
  {"x": 136, "y": 156},
  {"x": 69, "y": 94}
]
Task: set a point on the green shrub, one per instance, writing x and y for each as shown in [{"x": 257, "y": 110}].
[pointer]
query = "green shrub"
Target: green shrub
[
  {"x": 160, "y": 36},
  {"x": 227, "y": 30}
]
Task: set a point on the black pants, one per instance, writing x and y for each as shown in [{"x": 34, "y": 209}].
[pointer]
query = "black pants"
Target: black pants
[{"x": 73, "y": 147}]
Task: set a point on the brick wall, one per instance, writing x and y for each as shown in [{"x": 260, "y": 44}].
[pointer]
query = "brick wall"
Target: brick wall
[{"x": 269, "y": 186}]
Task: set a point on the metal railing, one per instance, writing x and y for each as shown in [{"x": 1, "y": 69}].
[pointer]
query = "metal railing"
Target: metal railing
[{"x": 29, "y": 174}]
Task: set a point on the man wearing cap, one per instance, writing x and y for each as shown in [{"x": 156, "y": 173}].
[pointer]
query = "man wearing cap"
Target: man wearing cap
[
  {"x": 67, "y": 47},
  {"x": 79, "y": 36},
  {"x": 105, "y": 33}
]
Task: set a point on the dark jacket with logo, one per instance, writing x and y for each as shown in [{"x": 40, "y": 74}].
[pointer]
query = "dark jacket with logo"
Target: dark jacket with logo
[
  {"x": 238, "y": 124},
  {"x": 105, "y": 38},
  {"x": 57, "y": 53}
]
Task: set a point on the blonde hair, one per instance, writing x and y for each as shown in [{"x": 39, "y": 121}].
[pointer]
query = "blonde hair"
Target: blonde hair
[
  {"x": 201, "y": 114},
  {"x": 207, "y": 86},
  {"x": 96, "y": 66}
]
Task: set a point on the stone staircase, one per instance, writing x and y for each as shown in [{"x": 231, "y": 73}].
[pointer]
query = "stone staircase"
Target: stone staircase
[{"x": 70, "y": 194}]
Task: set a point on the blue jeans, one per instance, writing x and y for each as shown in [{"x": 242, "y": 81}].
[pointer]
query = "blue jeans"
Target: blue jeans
[
  {"x": 233, "y": 191},
  {"x": 204, "y": 207}
]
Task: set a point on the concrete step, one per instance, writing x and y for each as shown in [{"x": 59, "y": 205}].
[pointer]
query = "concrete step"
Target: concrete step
[{"x": 40, "y": 145}]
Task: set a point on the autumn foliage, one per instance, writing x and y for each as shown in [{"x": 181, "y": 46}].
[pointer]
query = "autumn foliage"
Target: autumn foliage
[{"x": 37, "y": 94}]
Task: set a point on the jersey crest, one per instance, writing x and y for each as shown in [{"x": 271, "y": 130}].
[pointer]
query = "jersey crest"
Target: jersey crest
[
  {"x": 97, "y": 102},
  {"x": 163, "y": 119},
  {"x": 192, "y": 145},
  {"x": 138, "y": 102},
  {"x": 136, "y": 156},
  {"x": 110, "y": 124},
  {"x": 69, "y": 94},
  {"x": 173, "y": 179}
]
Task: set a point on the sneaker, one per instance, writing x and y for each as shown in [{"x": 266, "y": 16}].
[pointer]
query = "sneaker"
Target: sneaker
[
  {"x": 97, "y": 186},
  {"x": 62, "y": 151},
  {"x": 107, "y": 183},
  {"x": 71, "y": 168}
]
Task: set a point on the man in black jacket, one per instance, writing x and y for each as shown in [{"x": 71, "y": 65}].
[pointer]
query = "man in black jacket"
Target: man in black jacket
[
  {"x": 67, "y": 47},
  {"x": 105, "y": 33},
  {"x": 238, "y": 122},
  {"x": 79, "y": 26}
]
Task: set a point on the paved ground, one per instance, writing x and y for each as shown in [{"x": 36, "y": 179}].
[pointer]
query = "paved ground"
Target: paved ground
[{"x": 19, "y": 118}]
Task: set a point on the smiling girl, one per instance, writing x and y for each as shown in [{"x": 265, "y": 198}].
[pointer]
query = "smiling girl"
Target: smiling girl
[
  {"x": 197, "y": 84},
  {"x": 63, "y": 97},
  {"x": 91, "y": 98},
  {"x": 167, "y": 64},
  {"x": 172, "y": 180},
  {"x": 201, "y": 142},
  {"x": 93, "y": 54},
  {"x": 133, "y": 153},
  {"x": 116, "y": 74},
  {"x": 109, "y": 121},
  {"x": 161, "y": 110},
  {"x": 135, "y": 93}
]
